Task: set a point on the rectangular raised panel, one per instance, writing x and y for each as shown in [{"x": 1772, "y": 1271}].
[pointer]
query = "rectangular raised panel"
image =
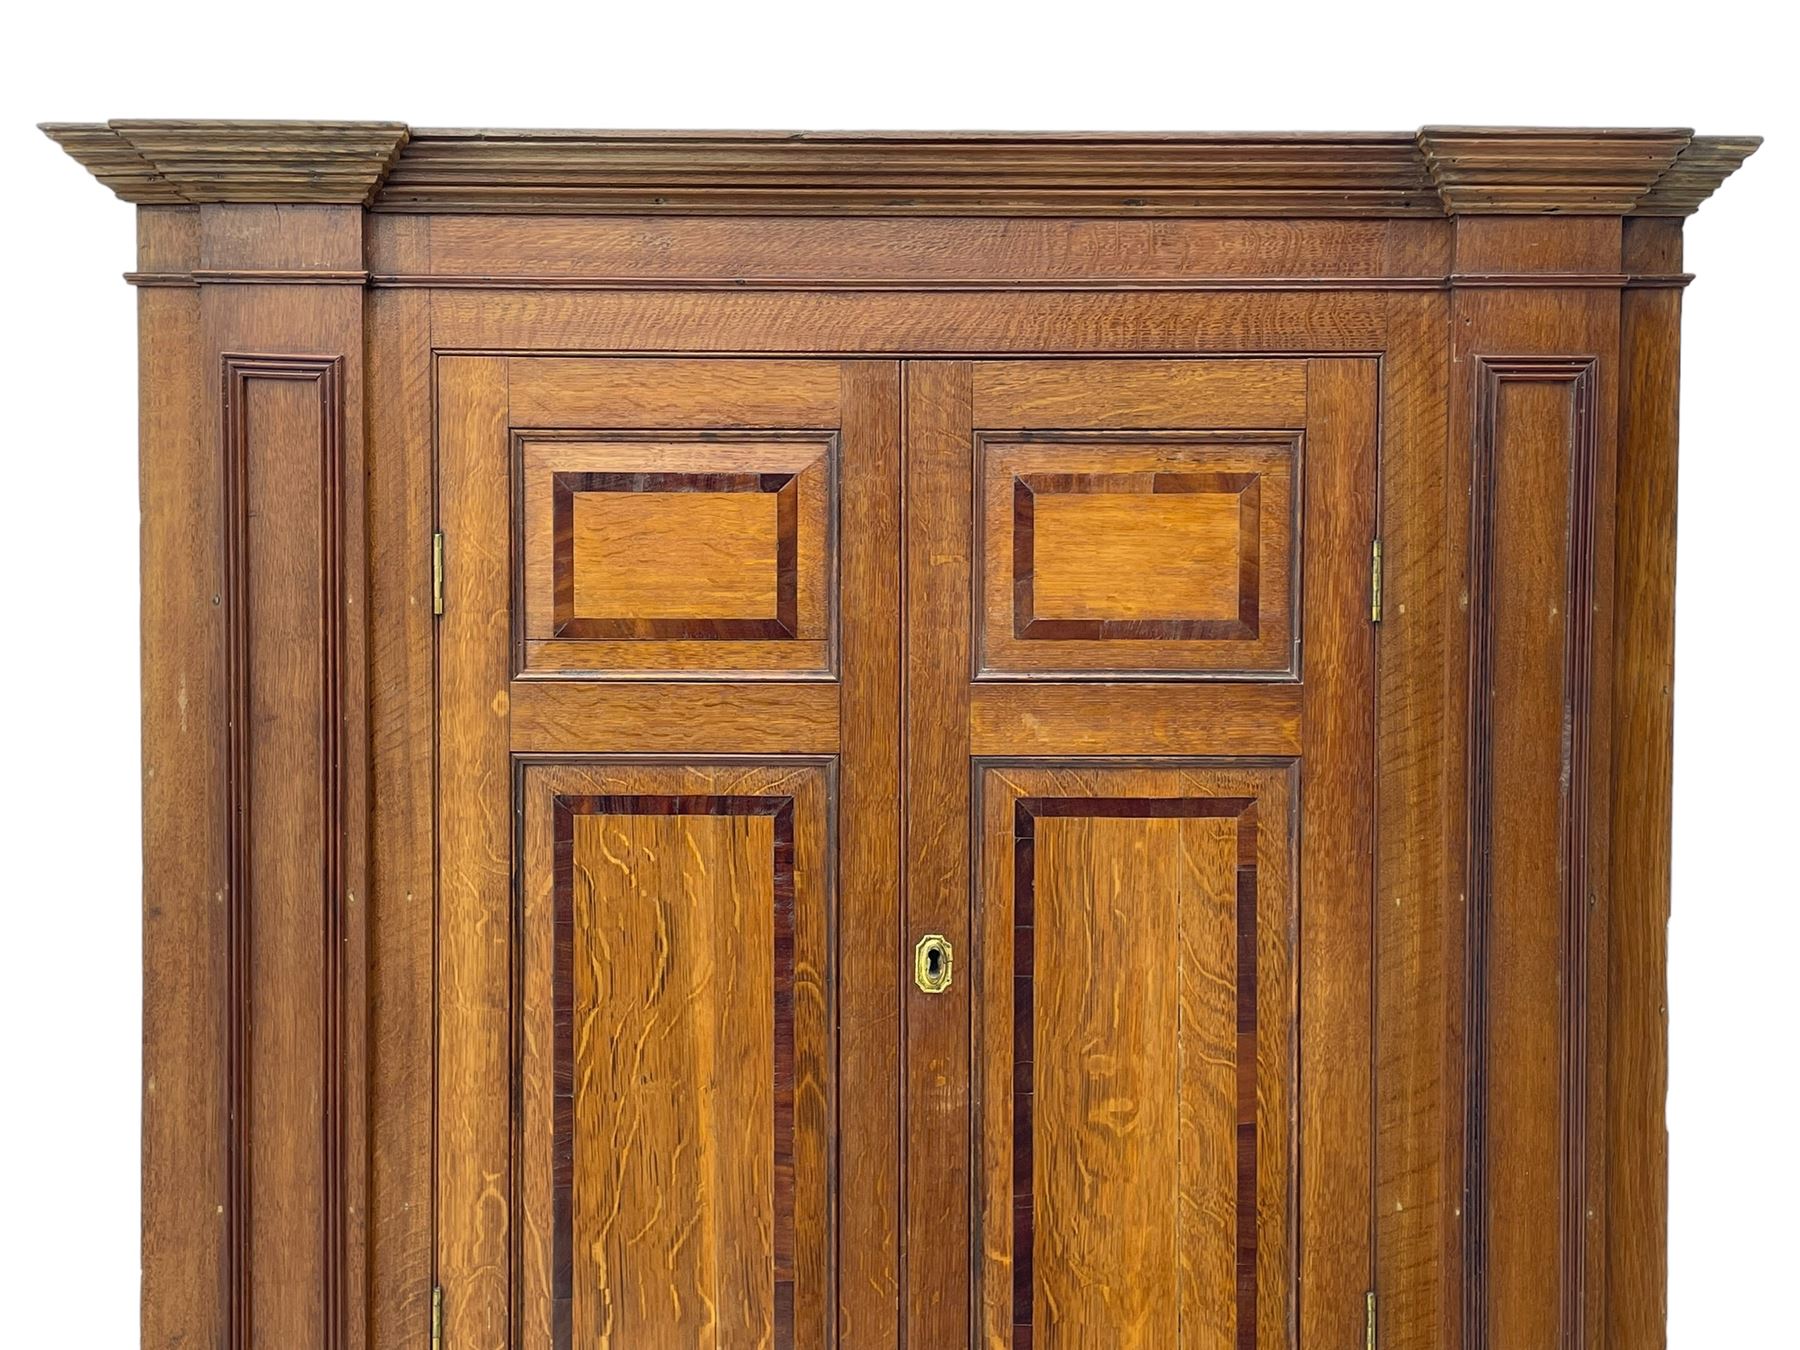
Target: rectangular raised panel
[
  {"x": 284, "y": 636},
  {"x": 644, "y": 554},
  {"x": 1135, "y": 1056},
  {"x": 1170, "y": 553},
  {"x": 1532, "y": 598},
  {"x": 677, "y": 1024}
]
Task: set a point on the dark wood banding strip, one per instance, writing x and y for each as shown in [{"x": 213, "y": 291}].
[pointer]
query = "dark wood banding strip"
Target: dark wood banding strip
[
  {"x": 326, "y": 374},
  {"x": 1024, "y": 1202},
  {"x": 1027, "y": 811},
  {"x": 786, "y": 488},
  {"x": 1578, "y": 373},
  {"x": 1247, "y": 1161},
  {"x": 784, "y": 1239},
  {"x": 784, "y": 1236},
  {"x": 562, "y": 1074},
  {"x": 586, "y": 627},
  {"x": 1024, "y": 559},
  {"x": 1250, "y": 555}
]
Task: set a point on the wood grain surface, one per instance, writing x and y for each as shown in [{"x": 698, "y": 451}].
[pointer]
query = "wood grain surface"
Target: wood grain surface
[
  {"x": 1160, "y": 552},
  {"x": 1536, "y": 1000},
  {"x": 476, "y": 1229},
  {"x": 935, "y": 1158},
  {"x": 403, "y": 834},
  {"x": 905, "y": 480},
  {"x": 1336, "y": 1153},
  {"x": 871, "y": 893},
  {"x": 601, "y": 516},
  {"x": 1136, "y": 1056},
  {"x": 676, "y": 1010}
]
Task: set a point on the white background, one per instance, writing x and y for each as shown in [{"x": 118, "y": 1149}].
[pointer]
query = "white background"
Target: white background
[{"x": 69, "y": 823}]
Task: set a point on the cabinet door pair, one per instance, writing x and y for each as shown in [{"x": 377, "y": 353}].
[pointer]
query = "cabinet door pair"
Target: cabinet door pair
[{"x": 905, "y": 839}]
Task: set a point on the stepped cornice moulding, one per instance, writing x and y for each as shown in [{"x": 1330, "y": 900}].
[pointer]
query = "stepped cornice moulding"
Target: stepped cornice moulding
[
  {"x": 1439, "y": 171},
  {"x": 167, "y": 162}
]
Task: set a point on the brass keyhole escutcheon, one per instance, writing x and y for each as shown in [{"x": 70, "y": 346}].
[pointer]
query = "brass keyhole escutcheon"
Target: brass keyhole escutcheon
[{"x": 931, "y": 963}]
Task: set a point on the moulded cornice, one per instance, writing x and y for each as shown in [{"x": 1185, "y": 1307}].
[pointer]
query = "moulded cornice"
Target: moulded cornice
[
  {"x": 162, "y": 162},
  {"x": 1436, "y": 172}
]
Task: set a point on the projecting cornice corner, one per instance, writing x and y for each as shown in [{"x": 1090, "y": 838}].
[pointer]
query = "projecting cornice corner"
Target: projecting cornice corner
[
  {"x": 176, "y": 162},
  {"x": 1567, "y": 171},
  {"x": 1696, "y": 174}
]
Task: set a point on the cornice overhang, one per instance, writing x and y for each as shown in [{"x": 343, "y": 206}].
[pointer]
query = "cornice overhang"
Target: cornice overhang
[
  {"x": 175, "y": 162},
  {"x": 1437, "y": 172}
]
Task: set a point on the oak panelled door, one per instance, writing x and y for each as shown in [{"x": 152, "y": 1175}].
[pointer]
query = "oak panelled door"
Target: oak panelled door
[{"x": 905, "y": 851}]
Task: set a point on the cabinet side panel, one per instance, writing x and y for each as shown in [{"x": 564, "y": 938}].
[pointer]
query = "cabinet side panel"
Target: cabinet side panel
[
  {"x": 184, "y": 830},
  {"x": 1643, "y": 736},
  {"x": 1539, "y": 409},
  {"x": 1421, "y": 646},
  {"x": 402, "y": 884},
  {"x": 283, "y": 366}
]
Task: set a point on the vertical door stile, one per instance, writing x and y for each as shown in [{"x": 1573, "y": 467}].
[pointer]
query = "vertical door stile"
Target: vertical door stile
[{"x": 938, "y": 494}]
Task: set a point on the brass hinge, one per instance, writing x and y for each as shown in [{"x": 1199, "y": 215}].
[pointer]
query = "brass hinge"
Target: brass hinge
[
  {"x": 437, "y": 1317},
  {"x": 1375, "y": 582},
  {"x": 437, "y": 572},
  {"x": 1369, "y": 1323}
]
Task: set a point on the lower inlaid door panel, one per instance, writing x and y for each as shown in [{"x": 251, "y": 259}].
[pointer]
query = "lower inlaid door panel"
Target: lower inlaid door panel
[
  {"x": 676, "y": 1137},
  {"x": 1135, "y": 1055}
]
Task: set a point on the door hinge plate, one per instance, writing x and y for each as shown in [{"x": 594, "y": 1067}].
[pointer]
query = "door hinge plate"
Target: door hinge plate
[
  {"x": 1375, "y": 582},
  {"x": 437, "y": 1317},
  {"x": 437, "y": 573},
  {"x": 1369, "y": 1323}
]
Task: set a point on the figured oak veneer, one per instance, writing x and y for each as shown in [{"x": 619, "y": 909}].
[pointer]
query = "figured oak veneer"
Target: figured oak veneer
[
  {"x": 608, "y": 595},
  {"x": 1172, "y": 553},
  {"x": 701, "y": 543},
  {"x": 748, "y": 517},
  {"x": 688, "y": 1126},
  {"x": 1142, "y": 922}
]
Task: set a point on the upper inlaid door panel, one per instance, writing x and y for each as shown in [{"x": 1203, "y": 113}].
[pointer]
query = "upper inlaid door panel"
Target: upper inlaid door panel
[
  {"x": 675, "y": 518},
  {"x": 1139, "y": 518}
]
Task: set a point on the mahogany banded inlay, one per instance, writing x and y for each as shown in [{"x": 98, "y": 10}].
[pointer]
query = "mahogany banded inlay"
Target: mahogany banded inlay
[
  {"x": 784, "y": 623},
  {"x": 1246, "y": 487}
]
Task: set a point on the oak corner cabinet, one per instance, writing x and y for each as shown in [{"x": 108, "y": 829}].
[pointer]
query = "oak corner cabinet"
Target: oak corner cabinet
[{"x": 862, "y": 741}]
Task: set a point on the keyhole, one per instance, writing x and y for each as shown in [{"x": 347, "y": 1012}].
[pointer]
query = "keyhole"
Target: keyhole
[{"x": 931, "y": 963}]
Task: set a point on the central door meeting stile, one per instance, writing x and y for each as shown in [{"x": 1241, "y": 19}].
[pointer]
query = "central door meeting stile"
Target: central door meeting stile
[{"x": 754, "y": 674}]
